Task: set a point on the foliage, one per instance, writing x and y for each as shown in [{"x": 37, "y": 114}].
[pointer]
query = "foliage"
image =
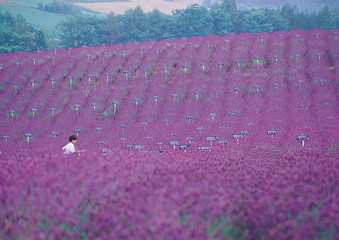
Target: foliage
[
  {"x": 264, "y": 20},
  {"x": 17, "y": 35},
  {"x": 222, "y": 23},
  {"x": 137, "y": 26},
  {"x": 324, "y": 19},
  {"x": 193, "y": 21},
  {"x": 159, "y": 26},
  {"x": 308, "y": 6},
  {"x": 80, "y": 30},
  {"x": 221, "y": 19},
  {"x": 114, "y": 29},
  {"x": 59, "y": 7}
]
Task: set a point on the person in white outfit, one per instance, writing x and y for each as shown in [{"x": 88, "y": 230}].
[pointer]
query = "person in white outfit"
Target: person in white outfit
[{"x": 69, "y": 148}]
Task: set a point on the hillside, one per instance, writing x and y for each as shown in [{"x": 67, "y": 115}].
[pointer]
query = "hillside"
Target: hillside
[
  {"x": 38, "y": 18},
  {"x": 48, "y": 20},
  {"x": 178, "y": 86},
  {"x": 148, "y": 6},
  {"x": 119, "y": 7}
]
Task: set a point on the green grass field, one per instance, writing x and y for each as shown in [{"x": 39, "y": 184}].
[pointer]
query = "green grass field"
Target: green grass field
[
  {"x": 31, "y": 3},
  {"x": 39, "y": 19}
]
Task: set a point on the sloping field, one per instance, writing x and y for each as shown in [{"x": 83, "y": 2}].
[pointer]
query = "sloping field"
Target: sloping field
[
  {"x": 236, "y": 88},
  {"x": 37, "y": 18},
  {"x": 223, "y": 137},
  {"x": 148, "y": 6}
]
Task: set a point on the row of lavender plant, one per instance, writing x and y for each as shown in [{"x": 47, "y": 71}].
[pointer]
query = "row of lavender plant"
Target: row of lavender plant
[
  {"x": 129, "y": 195},
  {"x": 250, "y": 72}
]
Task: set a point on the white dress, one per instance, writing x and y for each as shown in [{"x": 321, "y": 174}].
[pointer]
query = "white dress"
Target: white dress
[{"x": 69, "y": 148}]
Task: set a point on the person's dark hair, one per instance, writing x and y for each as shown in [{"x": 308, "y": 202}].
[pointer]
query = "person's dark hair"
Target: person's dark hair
[{"x": 72, "y": 137}]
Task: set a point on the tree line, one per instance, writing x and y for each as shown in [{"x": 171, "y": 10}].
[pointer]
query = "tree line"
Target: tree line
[
  {"x": 17, "y": 35},
  {"x": 305, "y": 5},
  {"x": 59, "y": 7},
  {"x": 137, "y": 26},
  {"x": 223, "y": 18}
]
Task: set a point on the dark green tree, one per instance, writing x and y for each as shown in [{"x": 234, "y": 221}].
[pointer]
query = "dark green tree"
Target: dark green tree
[
  {"x": 134, "y": 24},
  {"x": 288, "y": 14},
  {"x": 114, "y": 29},
  {"x": 40, "y": 40},
  {"x": 82, "y": 30},
  {"x": 59, "y": 7},
  {"x": 265, "y": 20},
  {"x": 336, "y": 18},
  {"x": 194, "y": 21},
  {"x": 156, "y": 22},
  {"x": 236, "y": 17},
  {"x": 16, "y": 35},
  {"x": 325, "y": 20},
  {"x": 228, "y": 6},
  {"x": 221, "y": 21},
  {"x": 171, "y": 25}
]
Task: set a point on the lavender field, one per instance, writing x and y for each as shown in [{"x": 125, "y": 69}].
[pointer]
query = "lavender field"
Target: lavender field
[{"x": 222, "y": 137}]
